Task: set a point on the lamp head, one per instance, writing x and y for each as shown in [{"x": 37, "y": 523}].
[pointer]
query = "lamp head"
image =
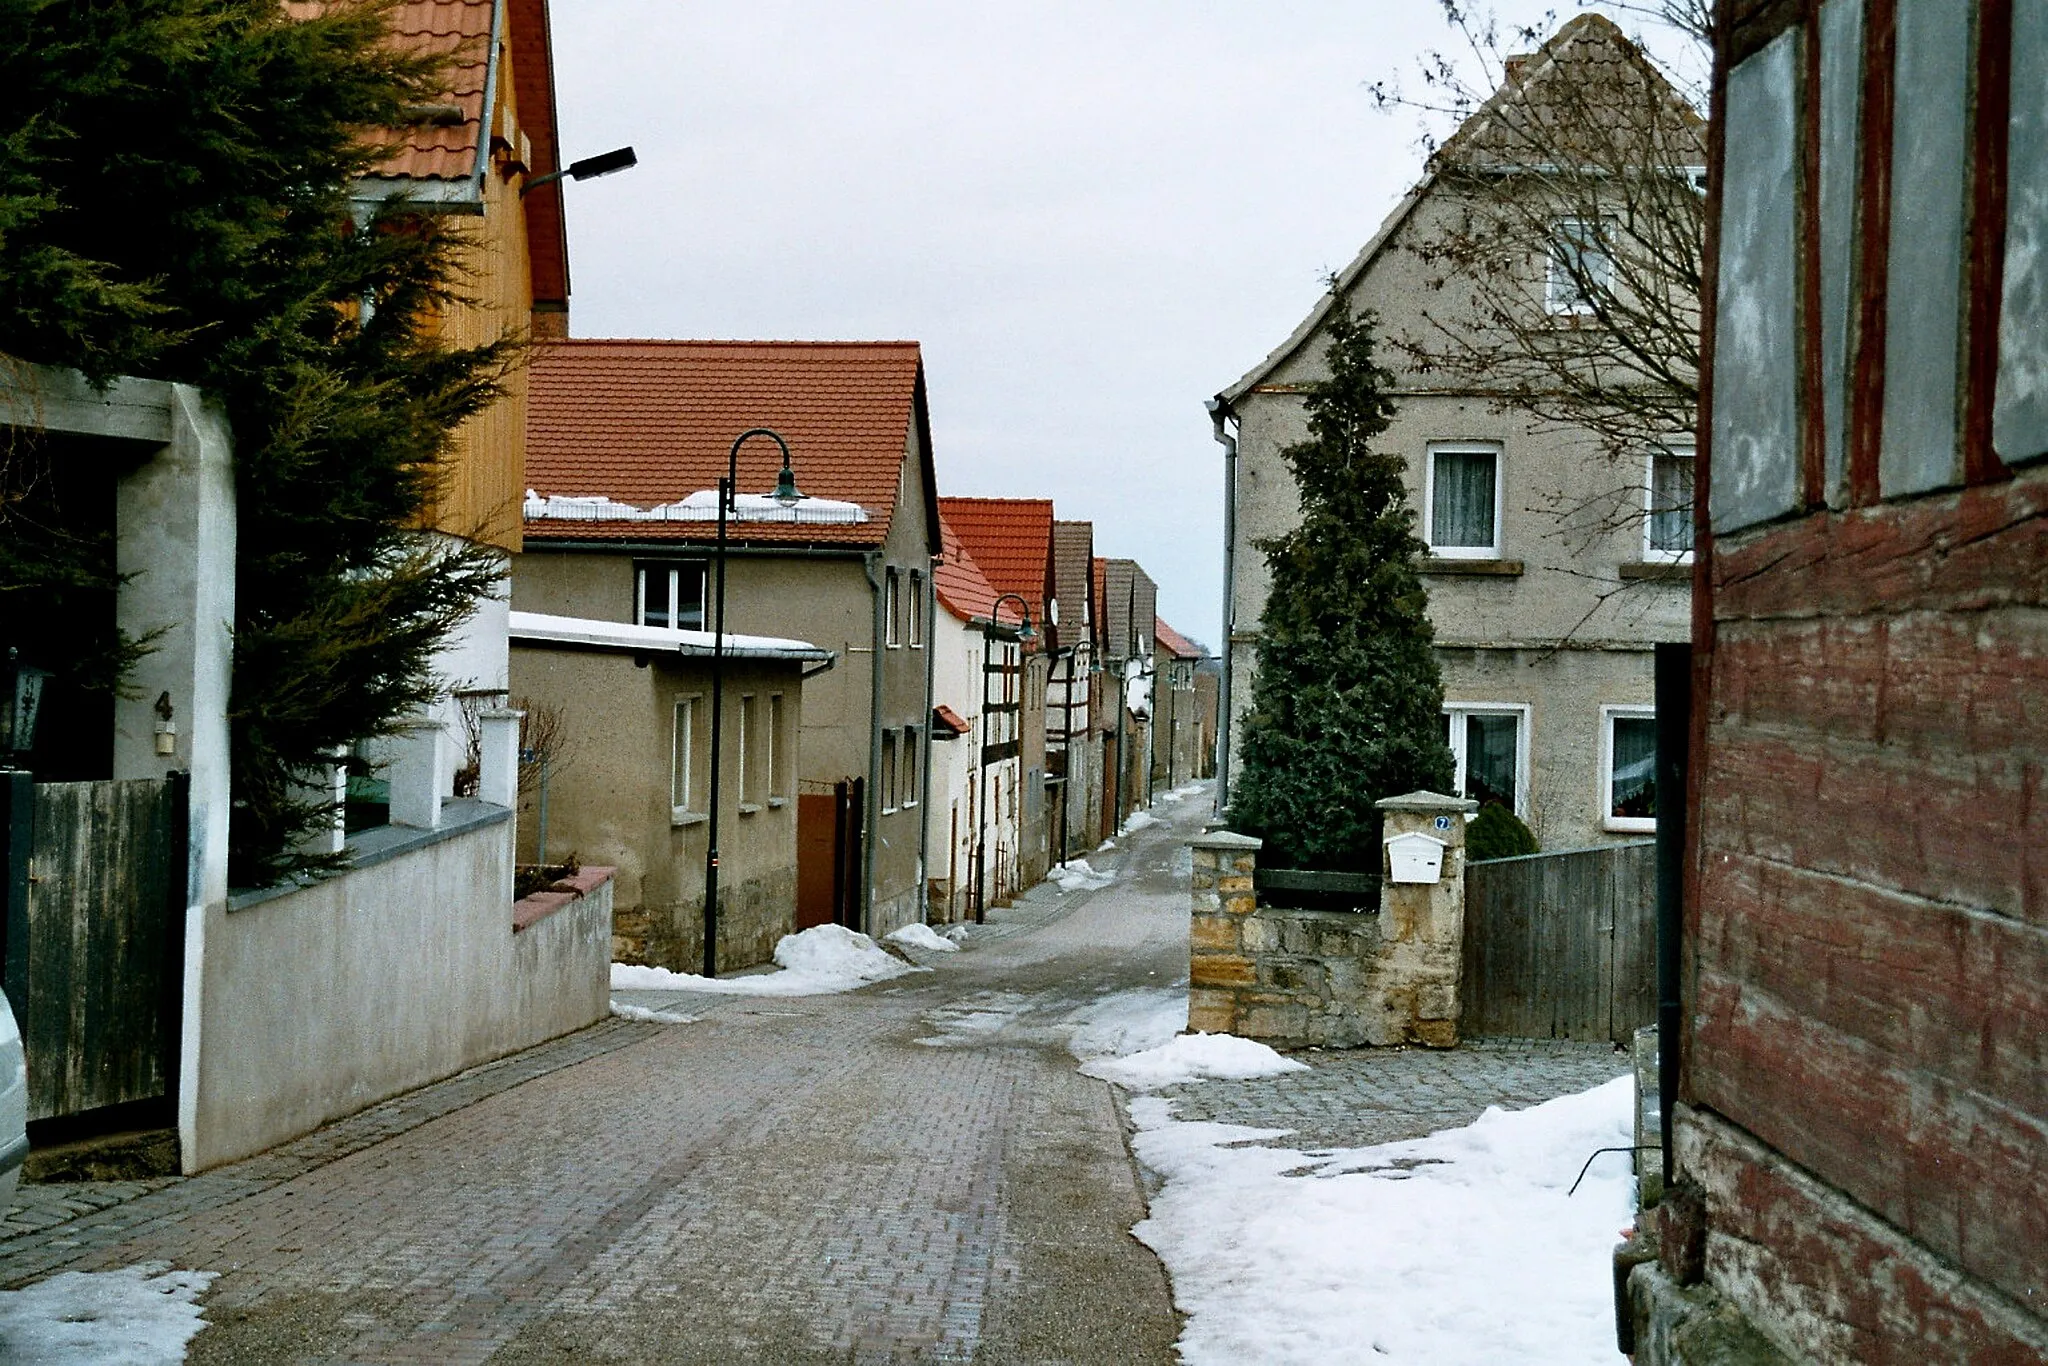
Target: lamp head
[
  {"x": 786, "y": 492},
  {"x": 1024, "y": 632}
]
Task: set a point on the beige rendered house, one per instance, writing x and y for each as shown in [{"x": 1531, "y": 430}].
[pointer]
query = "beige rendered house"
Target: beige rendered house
[
  {"x": 630, "y": 712},
  {"x": 626, "y": 443},
  {"x": 1545, "y": 624}
]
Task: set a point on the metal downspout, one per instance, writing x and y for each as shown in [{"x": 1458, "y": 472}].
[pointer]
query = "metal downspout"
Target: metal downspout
[
  {"x": 871, "y": 818},
  {"x": 1219, "y": 414},
  {"x": 924, "y": 782}
]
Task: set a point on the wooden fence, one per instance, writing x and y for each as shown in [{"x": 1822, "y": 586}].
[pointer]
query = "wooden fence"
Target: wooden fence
[
  {"x": 100, "y": 961},
  {"x": 1561, "y": 946}
]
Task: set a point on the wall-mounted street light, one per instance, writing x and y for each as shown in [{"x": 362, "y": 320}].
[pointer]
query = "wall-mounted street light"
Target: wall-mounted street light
[
  {"x": 1025, "y": 635},
  {"x": 788, "y": 495},
  {"x": 590, "y": 168}
]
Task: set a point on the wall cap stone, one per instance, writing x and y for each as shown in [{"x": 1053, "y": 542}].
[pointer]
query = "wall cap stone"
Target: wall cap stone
[
  {"x": 1427, "y": 802},
  {"x": 1226, "y": 839}
]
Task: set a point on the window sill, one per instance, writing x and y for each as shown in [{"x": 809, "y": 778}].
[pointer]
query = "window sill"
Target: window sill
[
  {"x": 777, "y": 803},
  {"x": 677, "y": 820},
  {"x": 1630, "y": 825},
  {"x": 1436, "y": 564},
  {"x": 1671, "y": 571},
  {"x": 750, "y": 808}
]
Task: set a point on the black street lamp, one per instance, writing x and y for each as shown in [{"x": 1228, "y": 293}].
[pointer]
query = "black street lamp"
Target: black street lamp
[
  {"x": 1025, "y": 635},
  {"x": 788, "y": 495}
]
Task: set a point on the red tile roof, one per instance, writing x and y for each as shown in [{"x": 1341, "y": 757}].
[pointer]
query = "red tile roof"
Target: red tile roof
[
  {"x": 533, "y": 90},
  {"x": 650, "y": 422},
  {"x": 943, "y": 715},
  {"x": 460, "y": 30},
  {"x": 1011, "y": 539},
  {"x": 962, "y": 588},
  {"x": 1177, "y": 645}
]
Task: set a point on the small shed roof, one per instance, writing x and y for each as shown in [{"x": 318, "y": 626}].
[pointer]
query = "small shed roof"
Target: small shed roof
[{"x": 540, "y": 628}]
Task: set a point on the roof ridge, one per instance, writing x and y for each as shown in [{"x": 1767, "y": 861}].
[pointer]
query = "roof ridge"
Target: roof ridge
[{"x": 722, "y": 341}]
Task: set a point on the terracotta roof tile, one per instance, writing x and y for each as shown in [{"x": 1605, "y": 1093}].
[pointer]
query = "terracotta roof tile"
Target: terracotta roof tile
[
  {"x": 1175, "y": 644},
  {"x": 1011, "y": 539},
  {"x": 961, "y": 586},
  {"x": 461, "y": 31},
  {"x": 650, "y": 422}
]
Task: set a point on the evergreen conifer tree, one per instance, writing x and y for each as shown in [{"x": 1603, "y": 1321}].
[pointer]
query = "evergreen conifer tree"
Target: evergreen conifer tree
[
  {"x": 1347, "y": 700},
  {"x": 174, "y": 202}
]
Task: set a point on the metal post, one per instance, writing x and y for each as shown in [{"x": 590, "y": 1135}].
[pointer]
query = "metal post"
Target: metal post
[
  {"x": 725, "y": 486},
  {"x": 1674, "y": 740},
  {"x": 17, "y": 836}
]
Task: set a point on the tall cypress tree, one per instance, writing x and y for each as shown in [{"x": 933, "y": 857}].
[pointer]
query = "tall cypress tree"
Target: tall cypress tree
[
  {"x": 174, "y": 202},
  {"x": 1347, "y": 700}
]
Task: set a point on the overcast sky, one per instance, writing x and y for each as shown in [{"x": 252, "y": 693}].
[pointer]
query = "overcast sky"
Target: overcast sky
[{"x": 1092, "y": 213}]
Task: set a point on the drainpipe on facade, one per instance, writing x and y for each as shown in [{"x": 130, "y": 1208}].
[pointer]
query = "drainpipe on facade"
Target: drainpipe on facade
[
  {"x": 872, "y": 816},
  {"x": 924, "y": 782},
  {"x": 1219, "y": 414}
]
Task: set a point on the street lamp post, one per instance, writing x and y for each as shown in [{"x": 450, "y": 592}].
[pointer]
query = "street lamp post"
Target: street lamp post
[
  {"x": 1025, "y": 635},
  {"x": 787, "y": 494}
]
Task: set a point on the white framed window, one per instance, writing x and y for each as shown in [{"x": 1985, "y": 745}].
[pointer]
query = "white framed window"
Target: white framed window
[
  {"x": 682, "y": 761},
  {"x": 670, "y": 596},
  {"x": 772, "y": 745},
  {"x": 1490, "y": 743},
  {"x": 916, "y": 631},
  {"x": 888, "y": 771},
  {"x": 892, "y": 608},
  {"x": 1579, "y": 267},
  {"x": 910, "y": 769},
  {"x": 1628, "y": 768},
  {"x": 1463, "y": 497},
  {"x": 1667, "y": 504},
  {"x": 749, "y": 755}
]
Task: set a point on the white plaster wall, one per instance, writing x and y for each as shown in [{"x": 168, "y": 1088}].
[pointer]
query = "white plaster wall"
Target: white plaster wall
[
  {"x": 318, "y": 1003},
  {"x": 958, "y": 780}
]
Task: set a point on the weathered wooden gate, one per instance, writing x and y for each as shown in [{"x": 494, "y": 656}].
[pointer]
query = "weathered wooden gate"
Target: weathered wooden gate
[
  {"x": 95, "y": 972},
  {"x": 1561, "y": 946}
]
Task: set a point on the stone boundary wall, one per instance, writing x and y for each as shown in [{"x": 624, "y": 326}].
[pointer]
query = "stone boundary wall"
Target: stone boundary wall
[{"x": 1327, "y": 978}]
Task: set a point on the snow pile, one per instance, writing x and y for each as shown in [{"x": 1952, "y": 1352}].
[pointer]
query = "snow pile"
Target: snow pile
[
  {"x": 959, "y": 933},
  {"x": 643, "y": 1015},
  {"x": 138, "y": 1316},
  {"x": 1127, "y": 1022},
  {"x": 701, "y": 506},
  {"x": 1457, "y": 1248},
  {"x": 1193, "y": 1057},
  {"x": 816, "y": 962},
  {"x": 1076, "y": 875},
  {"x": 922, "y": 936},
  {"x": 1138, "y": 821}
]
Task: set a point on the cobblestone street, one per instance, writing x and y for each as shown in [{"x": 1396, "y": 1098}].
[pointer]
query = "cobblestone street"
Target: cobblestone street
[{"x": 915, "y": 1172}]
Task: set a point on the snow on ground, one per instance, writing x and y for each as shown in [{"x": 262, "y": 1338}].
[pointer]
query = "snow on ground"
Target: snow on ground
[
  {"x": 646, "y": 1016},
  {"x": 1127, "y": 1022},
  {"x": 1138, "y": 821},
  {"x": 816, "y": 962},
  {"x": 1105, "y": 846},
  {"x": 1077, "y": 875},
  {"x": 1460, "y": 1248},
  {"x": 918, "y": 935},
  {"x": 1193, "y": 1057},
  {"x": 138, "y": 1316}
]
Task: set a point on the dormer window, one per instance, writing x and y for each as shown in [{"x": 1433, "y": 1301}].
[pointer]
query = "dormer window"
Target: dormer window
[{"x": 669, "y": 595}]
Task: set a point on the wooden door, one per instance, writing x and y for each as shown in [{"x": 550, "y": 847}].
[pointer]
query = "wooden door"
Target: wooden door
[{"x": 817, "y": 858}]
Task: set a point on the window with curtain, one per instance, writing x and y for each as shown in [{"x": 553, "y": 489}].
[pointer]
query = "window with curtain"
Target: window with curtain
[
  {"x": 1464, "y": 513},
  {"x": 1668, "y": 532},
  {"x": 1486, "y": 748},
  {"x": 1631, "y": 748}
]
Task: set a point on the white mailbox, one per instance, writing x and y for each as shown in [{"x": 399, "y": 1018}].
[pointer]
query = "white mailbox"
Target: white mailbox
[{"x": 1416, "y": 858}]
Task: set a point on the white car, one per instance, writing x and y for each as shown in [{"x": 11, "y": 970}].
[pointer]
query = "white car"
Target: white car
[{"x": 13, "y": 1106}]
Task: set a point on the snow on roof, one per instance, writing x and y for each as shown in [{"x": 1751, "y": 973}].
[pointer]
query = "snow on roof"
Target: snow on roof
[
  {"x": 701, "y": 506},
  {"x": 541, "y": 628}
]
